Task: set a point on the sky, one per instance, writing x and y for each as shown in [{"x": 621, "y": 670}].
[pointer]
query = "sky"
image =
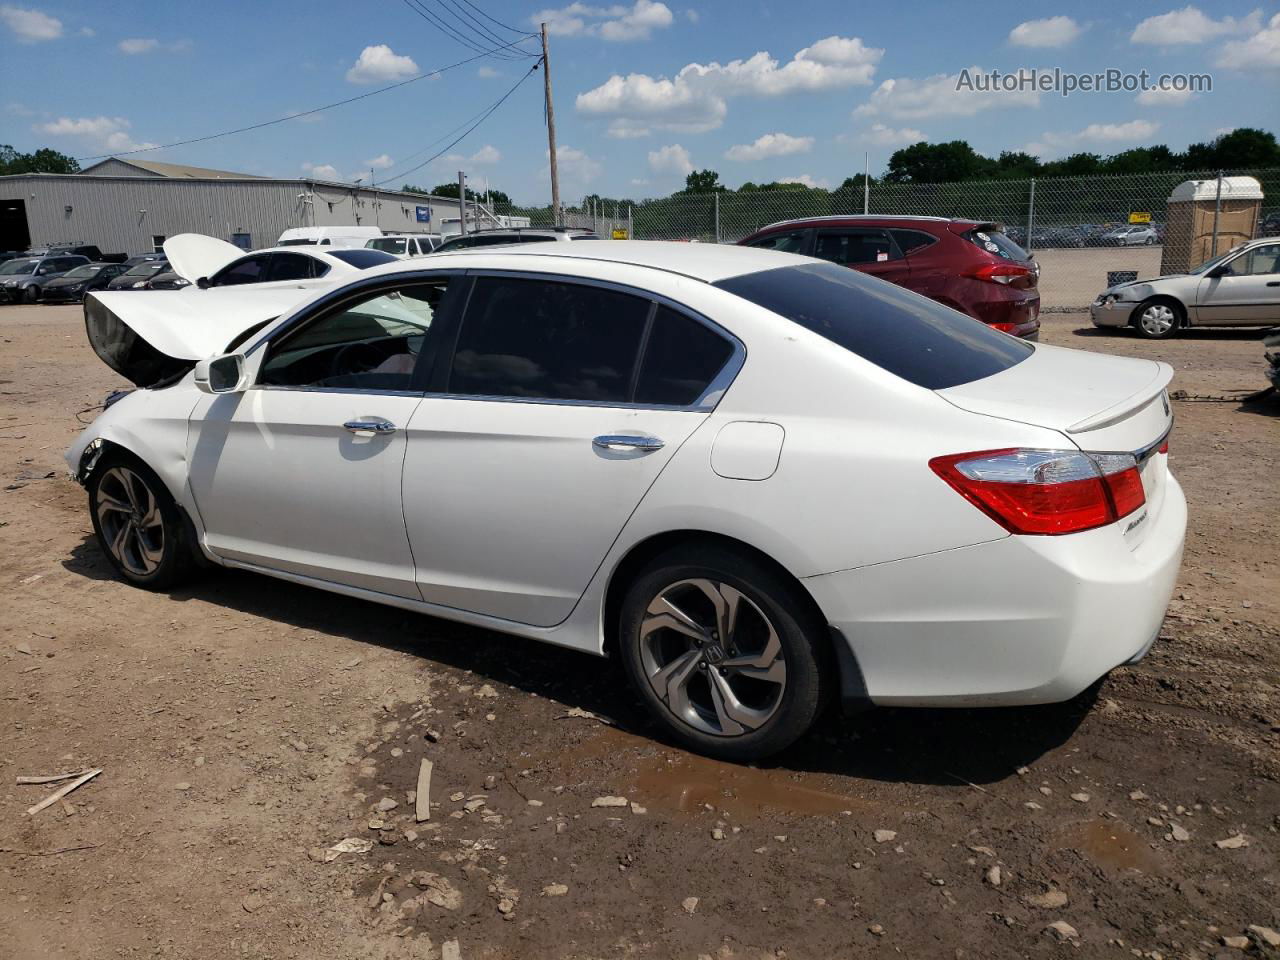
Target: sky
[{"x": 645, "y": 91}]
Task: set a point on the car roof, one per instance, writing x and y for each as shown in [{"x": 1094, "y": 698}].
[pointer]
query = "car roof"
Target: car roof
[
  {"x": 319, "y": 253},
  {"x": 869, "y": 218},
  {"x": 709, "y": 262}
]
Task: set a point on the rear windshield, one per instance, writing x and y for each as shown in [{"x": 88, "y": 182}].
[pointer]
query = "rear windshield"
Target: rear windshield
[
  {"x": 909, "y": 335},
  {"x": 361, "y": 258},
  {"x": 994, "y": 241},
  {"x": 301, "y": 242}
]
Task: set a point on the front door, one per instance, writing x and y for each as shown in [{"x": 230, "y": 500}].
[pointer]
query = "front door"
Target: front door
[
  {"x": 1247, "y": 294},
  {"x": 559, "y": 407},
  {"x": 302, "y": 472}
]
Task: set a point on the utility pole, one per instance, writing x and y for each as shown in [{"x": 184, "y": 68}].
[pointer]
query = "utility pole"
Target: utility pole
[
  {"x": 551, "y": 130},
  {"x": 462, "y": 201}
]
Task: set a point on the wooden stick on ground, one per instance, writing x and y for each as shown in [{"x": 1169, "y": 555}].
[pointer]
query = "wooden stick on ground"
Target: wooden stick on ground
[
  {"x": 422, "y": 800},
  {"x": 49, "y": 853},
  {"x": 54, "y": 778},
  {"x": 59, "y": 794}
]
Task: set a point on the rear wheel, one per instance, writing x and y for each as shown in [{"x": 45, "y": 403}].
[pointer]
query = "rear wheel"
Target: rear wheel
[
  {"x": 139, "y": 526},
  {"x": 724, "y": 652},
  {"x": 1157, "y": 319}
]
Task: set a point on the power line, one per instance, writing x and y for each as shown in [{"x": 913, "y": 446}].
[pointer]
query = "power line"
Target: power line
[
  {"x": 420, "y": 8},
  {"x": 472, "y": 23},
  {"x": 292, "y": 116},
  {"x": 491, "y": 19},
  {"x": 481, "y": 118}
]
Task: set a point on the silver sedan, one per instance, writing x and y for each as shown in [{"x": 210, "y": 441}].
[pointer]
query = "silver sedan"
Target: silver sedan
[{"x": 1240, "y": 288}]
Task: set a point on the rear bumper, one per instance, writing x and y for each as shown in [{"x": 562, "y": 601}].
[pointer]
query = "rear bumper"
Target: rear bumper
[
  {"x": 1019, "y": 317},
  {"x": 1017, "y": 621}
]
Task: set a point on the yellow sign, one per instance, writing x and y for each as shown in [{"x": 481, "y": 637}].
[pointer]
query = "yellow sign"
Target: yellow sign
[
  {"x": 619, "y": 233},
  {"x": 1139, "y": 217}
]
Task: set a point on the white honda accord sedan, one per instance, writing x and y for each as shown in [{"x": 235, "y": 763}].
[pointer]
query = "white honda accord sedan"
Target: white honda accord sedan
[{"x": 766, "y": 483}]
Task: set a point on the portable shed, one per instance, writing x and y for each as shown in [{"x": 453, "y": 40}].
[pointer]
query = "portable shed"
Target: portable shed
[{"x": 1193, "y": 207}]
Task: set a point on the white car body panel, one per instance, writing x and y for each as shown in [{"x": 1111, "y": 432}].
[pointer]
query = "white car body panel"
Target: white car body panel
[
  {"x": 500, "y": 513},
  {"x": 194, "y": 255}
]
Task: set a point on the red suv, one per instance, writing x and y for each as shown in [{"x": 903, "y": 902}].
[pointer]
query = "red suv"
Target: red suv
[{"x": 969, "y": 265}]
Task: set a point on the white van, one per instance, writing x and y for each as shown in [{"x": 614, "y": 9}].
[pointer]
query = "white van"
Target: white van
[
  {"x": 405, "y": 245},
  {"x": 327, "y": 236}
]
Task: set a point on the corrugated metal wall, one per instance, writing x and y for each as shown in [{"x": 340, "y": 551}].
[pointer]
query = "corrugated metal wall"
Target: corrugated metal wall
[{"x": 123, "y": 214}]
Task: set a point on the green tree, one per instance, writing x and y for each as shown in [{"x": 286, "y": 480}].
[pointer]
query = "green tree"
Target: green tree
[
  {"x": 1244, "y": 147},
  {"x": 703, "y": 181},
  {"x": 450, "y": 191},
  {"x": 938, "y": 163},
  {"x": 43, "y": 160}
]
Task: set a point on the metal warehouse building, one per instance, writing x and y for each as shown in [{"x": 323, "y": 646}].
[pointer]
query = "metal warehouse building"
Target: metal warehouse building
[{"x": 133, "y": 206}]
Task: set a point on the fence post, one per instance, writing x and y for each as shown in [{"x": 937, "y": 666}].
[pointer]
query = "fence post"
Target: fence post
[
  {"x": 1031, "y": 213},
  {"x": 715, "y": 199},
  {"x": 1217, "y": 209},
  {"x": 866, "y": 184}
]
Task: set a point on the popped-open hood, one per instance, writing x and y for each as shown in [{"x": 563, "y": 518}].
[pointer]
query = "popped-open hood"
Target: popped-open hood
[
  {"x": 155, "y": 335},
  {"x": 193, "y": 255}
]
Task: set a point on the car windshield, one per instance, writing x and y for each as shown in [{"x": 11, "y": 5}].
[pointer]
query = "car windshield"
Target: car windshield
[
  {"x": 1210, "y": 264},
  {"x": 17, "y": 266},
  {"x": 88, "y": 270},
  {"x": 149, "y": 267},
  {"x": 899, "y": 331},
  {"x": 389, "y": 244}
]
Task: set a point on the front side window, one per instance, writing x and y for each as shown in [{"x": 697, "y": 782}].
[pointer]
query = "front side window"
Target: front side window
[
  {"x": 854, "y": 247},
  {"x": 372, "y": 344},
  {"x": 548, "y": 340},
  {"x": 244, "y": 270},
  {"x": 1258, "y": 261},
  {"x": 789, "y": 242},
  {"x": 904, "y": 333}
]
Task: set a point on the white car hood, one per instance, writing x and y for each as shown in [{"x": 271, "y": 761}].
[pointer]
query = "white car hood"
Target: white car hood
[
  {"x": 150, "y": 336},
  {"x": 193, "y": 255}
]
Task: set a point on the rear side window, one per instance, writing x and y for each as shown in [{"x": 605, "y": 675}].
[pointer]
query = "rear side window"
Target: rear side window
[
  {"x": 789, "y": 242},
  {"x": 296, "y": 266},
  {"x": 853, "y": 247},
  {"x": 996, "y": 242},
  {"x": 548, "y": 340},
  {"x": 912, "y": 241},
  {"x": 681, "y": 358},
  {"x": 909, "y": 335}
]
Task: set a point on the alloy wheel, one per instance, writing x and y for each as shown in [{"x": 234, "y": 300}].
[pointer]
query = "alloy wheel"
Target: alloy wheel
[
  {"x": 713, "y": 657},
  {"x": 130, "y": 519},
  {"x": 1157, "y": 319}
]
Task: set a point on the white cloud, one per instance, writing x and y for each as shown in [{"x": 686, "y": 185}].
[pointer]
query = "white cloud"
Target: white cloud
[
  {"x": 805, "y": 180},
  {"x": 136, "y": 45},
  {"x": 909, "y": 98},
  {"x": 19, "y": 110},
  {"x": 380, "y": 64},
  {"x": 884, "y": 136},
  {"x": 618, "y": 23},
  {"x": 1190, "y": 25},
  {"x": 769, "y": 145},
  {"x": 108, "y": 134},
  {"x": 1163, "y": 97},
  {"x": 671, "y": 159},
  {"x": 639, "y": 181},
  {"x": 88, "y": 32},
  {"x": 485, "y": 156},
  {"x": 695, "y": 99},
  {"x": 487, "y": 73},
  {"x": 321, "y": 171},
  {"x": 30, "y": 26},
  {"x": 574, "y": 166},
  {"x": 692, "y": 15},
  {"x": 1260, "y": 50},
  {"x": 1050, "y": 32},
  {"x": 380, "y": 162},
  {"x": 1095, "y": 134}
]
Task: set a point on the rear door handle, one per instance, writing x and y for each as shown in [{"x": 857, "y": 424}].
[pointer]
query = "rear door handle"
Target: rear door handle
[
  {"x": 1273, "y": 283},
  {"x": 370, "y": 426},
  {"x": 621, "y": 441}
]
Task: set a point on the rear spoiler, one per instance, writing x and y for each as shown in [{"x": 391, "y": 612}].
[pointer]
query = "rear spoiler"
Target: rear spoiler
[{"x": 1148, "y": 395}]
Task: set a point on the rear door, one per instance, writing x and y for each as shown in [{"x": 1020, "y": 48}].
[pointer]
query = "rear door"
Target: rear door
[
  {"x": 920, "y": 251},
  {"x": 867, "y": 249},
  {"x": 559, "y": 406}
]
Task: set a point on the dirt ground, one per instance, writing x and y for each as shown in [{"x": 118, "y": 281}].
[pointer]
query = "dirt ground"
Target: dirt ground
[{"x": 243, "y": 725}]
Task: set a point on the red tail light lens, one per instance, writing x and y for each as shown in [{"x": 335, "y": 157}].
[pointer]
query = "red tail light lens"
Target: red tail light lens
[
  {"x": 1006, "y": 273},
  {"x": 1003, "y": 327},
  {"x": 1045, "y": 492}
]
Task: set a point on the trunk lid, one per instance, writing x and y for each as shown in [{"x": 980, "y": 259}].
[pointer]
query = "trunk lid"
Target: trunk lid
[
  {"x": 1101, "y": 403},
  {"x": 193, "y": 255},
  {"x": 151, "y": 337}
]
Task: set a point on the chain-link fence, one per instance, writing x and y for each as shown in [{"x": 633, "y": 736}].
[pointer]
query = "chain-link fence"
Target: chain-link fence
[{"x": 1080, "y": 229}]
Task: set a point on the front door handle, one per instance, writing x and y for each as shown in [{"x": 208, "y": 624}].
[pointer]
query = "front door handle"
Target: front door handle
[
  {"x": 619, "y": 441},
  {"x": 370, "y": 426},
  {"x": 1273, "y": 283}
]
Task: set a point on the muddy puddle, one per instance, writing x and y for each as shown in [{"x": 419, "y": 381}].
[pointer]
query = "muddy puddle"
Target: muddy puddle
[{"x": 1110, "y": 844}]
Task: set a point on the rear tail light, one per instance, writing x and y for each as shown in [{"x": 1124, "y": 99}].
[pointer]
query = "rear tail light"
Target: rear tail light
[
  {"x": 1046, "y": 492},
  {"x": 1003, "y": 327},
  {"x": 1005, "y": 273}
]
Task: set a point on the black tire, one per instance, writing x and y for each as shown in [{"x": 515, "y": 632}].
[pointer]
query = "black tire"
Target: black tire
[
  {"x": 809, "y": 671},
  {"x": 31, "y": 295},
  {"x": 1158, "y": 318},
  {"x": 154, "y": 556}
]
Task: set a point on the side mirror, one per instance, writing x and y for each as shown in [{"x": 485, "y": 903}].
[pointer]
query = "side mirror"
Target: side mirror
[
  {"x": 203, "y": 283},
  {"x": 1217, "y": 272},
  {"x": 223, "y": 374}
]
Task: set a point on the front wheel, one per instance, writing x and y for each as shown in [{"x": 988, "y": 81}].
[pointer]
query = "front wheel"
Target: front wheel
[
  {"x": 138, "y": 525},
  {"x": 31, "y": 295},
  {"x": 1157, "y": 319},
  {"x": 724, "y": 652}
]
